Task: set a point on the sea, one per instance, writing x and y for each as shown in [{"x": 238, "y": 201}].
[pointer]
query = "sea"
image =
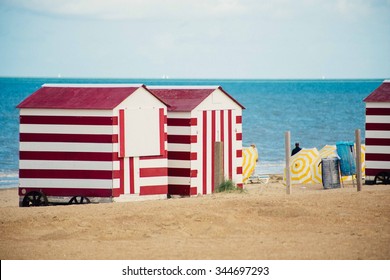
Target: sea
[{"x": 316, "y": 112}]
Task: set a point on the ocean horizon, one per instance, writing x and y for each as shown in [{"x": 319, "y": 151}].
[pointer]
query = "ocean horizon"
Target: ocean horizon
[{"x": 317, "y": 112}]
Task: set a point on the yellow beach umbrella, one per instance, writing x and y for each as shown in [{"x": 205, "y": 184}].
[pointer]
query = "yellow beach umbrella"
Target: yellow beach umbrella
[
  {"x": 331, "y": 151},
  {"x": 249, "y": 160},
  {"x": 300, "y": 164},
  {"x": 316, "y": 170}
]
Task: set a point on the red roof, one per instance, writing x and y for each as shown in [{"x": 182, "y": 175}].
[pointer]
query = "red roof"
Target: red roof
[
  {"x": 185, "y": 99},
  {"x": 381, "y": 94},
  {"x": 64, "y": 96}
]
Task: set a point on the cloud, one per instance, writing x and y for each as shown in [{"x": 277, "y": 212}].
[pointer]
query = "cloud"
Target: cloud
[
  {"x": 200, "y": 9},
  {"x": 134, "y": 9}
]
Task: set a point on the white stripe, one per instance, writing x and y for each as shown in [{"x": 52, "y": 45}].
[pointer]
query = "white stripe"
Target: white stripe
[
  {"x": 65, "y": 112},
  {"x": 126, "y": 175},
  {"x": 179, "y": 163},
  {"x": 69, "y": 129},
  {"x": 67, "y": 147},
  {"x": 66, "y": 183},
  {"x": 94, "y": 85},
  {"x": 377, "y": 119},
  {"x": 136, "y": 175},
  {"x": 238, "y": 161},
  {"x": 154, "y": 181},
  {"x": 68, "y": 165},
  {"x": 238, "y": 179},
  {"x": 179, "y": 147},
  {"x": 179, "y": 180},
  {"x": 378, "y": 105},
  {"x": 209, "y": 153},
  {"x": 378, "y": 164},
  {"x": 179, "y": 130},
  {"x": 377, "y": 134},
  {"x": 226, "y": 142},
  {"x": 179, "y": 115},
  {"x": 146, "y": 163},
  {"x": 217, "y": 126},
  {"x": 377, "y": 149}
]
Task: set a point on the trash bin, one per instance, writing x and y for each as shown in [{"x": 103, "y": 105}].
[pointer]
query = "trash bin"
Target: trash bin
[
  {"x": 346, "y": 152},
  {"x": 330, "y": 172}
]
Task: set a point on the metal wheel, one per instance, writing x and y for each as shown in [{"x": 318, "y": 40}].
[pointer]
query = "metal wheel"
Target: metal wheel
[
  {"x": 35, "y": 198},
  {"x": 79, "y": 200},
  {"x": 382, "y": 178}
]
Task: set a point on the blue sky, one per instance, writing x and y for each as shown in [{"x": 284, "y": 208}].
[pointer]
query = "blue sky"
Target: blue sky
[{"x": 195, "y": 39}]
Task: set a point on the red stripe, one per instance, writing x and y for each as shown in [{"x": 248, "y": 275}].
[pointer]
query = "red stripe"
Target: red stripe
[
  {"x": 239, "y": 170},
  {"x": 131, "y": 170},
  {"x": 213, "y": 125},
  {"x": 121, "y": 133},
  {"x": 222, "y": 125},
  {"x": 68, "y": 120},
  {"x": 378, "y": 111},
  {"x": 182, "y": 172},
  {"x": 150, "y": 190},
  {"x": 204, "y": 163},
  {"x": 379, "y": 157},
  {"x": 375, "y": 171},
  {"x": 153, "y": 172},
  {"x": 162, "y": 132},
  {"x": 239, "y": 153},
  {"x": 240, "y": 185},
  {"x": 68, "y": 174},
  {"x": 76, "y": 138},
  {"x": 238, "y": 119},
  {"x": 194, "y": 173},
  {"x": 121, "y": 176},
  {"x": 230, "y": 143},
  {"x": 77, "y": 156},
  {"x": 116, "y": 192},
  {"x": 182, "y": 155},
  {"x": 70, "y": 192},
  {"x": 238, "y": 136},
  {"x": 181, "y": 122},
  {"x": 179, "y": 189},
  {"x": 193, "y": 190},
  {"x": 377, "y": 126},
  {"x": 182, "y": 139},
  {"x": 378, "y": 142}
]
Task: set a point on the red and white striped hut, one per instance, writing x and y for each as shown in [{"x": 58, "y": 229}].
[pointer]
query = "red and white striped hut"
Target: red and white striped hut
[
  {"x": 378, "y": 135},
  {"x": 198, "y": 117},
  {"x": 98, "y": 143}
]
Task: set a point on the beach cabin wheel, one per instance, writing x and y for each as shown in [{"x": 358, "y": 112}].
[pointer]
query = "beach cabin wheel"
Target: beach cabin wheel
[
  {"x": 79, "y": 200},
  {"x": 35, "y": 198},
  {"x": 382, "y": 178}
]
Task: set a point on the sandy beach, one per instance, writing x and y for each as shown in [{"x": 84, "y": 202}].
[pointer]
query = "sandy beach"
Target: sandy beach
[{"x": 260, "y": 223}]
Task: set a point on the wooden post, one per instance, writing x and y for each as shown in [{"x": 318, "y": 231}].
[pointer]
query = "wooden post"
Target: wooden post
[
  {"x": 288, "y": 154},
  {"x": 218, "y": 164},
  {"x": 358, "y": 160}
]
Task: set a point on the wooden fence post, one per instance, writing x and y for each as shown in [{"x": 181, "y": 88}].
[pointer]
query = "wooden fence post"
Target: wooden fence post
[
  {"x": 358, "y": 160},
  {"x": 288, "y": 154},
  {"x": 218, "y": 164}
]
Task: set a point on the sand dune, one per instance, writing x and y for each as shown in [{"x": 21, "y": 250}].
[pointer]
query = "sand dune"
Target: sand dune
[{"x": 259, "y": 223}]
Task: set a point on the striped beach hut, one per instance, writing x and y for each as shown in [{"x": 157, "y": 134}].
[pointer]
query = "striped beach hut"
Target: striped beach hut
[
  {"x": 378, "y": 135},
  {"x": 84, "y": 143},
  {"x": 201, "y": 121}
]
